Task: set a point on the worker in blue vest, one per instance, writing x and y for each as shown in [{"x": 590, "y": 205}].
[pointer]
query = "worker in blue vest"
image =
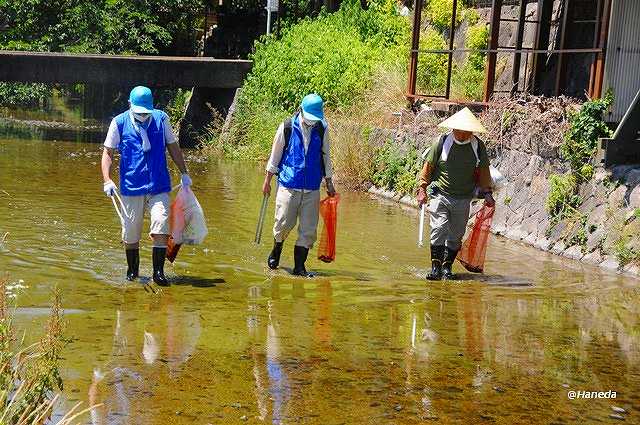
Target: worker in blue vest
[
  {"x": 300, "y": 157},
  {"x": 141, "y": 135}
]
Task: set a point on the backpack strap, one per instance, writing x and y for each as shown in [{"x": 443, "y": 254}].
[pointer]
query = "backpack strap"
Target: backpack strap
[
  {"x": 474, "y": 146},
  {"x": 439, "y": 145},
  {"x": 319, "y": 127},
  {"x": 288, "y": 123}
]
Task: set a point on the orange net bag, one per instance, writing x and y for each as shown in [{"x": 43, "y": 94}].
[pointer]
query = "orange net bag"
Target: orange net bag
[
  {"x": 474, "y": 248},
  {"x": 329, "y": 214}
]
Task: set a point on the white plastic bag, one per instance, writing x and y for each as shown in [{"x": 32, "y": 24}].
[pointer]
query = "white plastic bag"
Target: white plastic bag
[
  {"x": 188, "y": 225},
  {"x": 498, "y": 181}
]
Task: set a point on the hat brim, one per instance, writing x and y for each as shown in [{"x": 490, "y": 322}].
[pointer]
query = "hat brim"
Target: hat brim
[
  {"x": 464, "y": 127},
  {"x": 141, "y": 109},
  {"x": 463, "y": 120},
  {"x": 311, "y": 117}
]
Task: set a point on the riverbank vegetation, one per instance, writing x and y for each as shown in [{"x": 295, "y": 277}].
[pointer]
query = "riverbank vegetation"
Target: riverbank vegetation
[
  {"x": 163, "y": 27},
  {"x": 356, "y": 59},
  {"x": 29, "y": 374}
]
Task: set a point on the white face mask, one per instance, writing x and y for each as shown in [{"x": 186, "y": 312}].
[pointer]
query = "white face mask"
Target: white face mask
[
  {"x": 309, "y": 123},
  {"x": 141, "y": 117}
]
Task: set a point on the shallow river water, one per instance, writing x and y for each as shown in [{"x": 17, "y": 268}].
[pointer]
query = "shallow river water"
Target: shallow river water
[{"x": 368, "y": 341}]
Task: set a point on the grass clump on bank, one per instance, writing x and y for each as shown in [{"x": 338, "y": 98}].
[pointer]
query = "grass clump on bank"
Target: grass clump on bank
[
  {"x": 396, "y": 168},
  {"x": 30, "y": 375}
]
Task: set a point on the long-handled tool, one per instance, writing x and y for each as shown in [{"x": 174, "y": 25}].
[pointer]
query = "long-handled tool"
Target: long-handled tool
[
  {"x": 421, "y": 227},
  {"x": 113, "y": 199},
  {"x": 263, "y": 212}
]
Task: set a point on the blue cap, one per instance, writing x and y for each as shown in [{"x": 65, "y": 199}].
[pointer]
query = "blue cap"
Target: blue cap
[
  {"x": 141, "y": 100},
  {"x": 312, "y": 107}
]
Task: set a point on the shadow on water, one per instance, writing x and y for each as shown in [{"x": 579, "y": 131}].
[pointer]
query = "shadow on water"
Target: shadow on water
[
  {"x": 495, "y": 280},
  {"x": 318, "y": 274},
  {"x": 196, "y": 282}
]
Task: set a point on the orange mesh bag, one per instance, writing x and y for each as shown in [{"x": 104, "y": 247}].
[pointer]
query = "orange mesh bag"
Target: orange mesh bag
[
  {"x": 176, "y": 224},
  {"x": 329, "y": 214},
  {"x": 474, "y": 248}
]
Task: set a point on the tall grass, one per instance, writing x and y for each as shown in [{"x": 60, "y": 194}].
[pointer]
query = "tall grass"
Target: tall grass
[{"x": 29, "y": 375}]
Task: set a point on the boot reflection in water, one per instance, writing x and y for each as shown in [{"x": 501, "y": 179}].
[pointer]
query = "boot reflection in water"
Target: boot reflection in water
[
  {"x": 300, "y": 158},
  {"x": 142, "y": 135},
  {"x": 456, "y": 168}
]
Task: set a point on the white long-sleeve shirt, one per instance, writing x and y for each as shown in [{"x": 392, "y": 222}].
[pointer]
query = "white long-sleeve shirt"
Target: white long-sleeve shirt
[{"x": 277, "y": 149}]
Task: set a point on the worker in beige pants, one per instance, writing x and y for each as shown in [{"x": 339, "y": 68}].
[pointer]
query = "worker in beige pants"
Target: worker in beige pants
[
  {"x": 300, "y": 159},
  {"x": 294, "y": 206}
]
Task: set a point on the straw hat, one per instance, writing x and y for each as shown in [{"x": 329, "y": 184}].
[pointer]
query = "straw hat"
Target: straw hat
[{"x": 463, "y": 120}]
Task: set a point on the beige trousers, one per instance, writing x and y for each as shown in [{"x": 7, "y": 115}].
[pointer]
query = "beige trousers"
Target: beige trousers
[
  {"x": 133, "y": 215},
  {"x": 294, "y": 206}
]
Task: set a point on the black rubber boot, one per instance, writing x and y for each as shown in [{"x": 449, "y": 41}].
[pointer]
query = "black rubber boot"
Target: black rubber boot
[
  {"x": 300, "y": 254},
  {"x": 437, "y": 252},
  {"x": 133, "y": 263},
  {"x": 159, "y": 254},
  {"x": 274, "y": 258},
  {"x": 447, "y": 264}
]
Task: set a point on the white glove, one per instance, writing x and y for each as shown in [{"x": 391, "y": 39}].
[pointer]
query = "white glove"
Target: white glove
[
  {"x": 186, "y": 180},
  {"x": 109, "y": 188}
]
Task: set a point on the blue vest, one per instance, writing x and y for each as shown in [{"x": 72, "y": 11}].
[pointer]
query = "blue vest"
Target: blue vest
[
  {"x": 297, "y": 169},
  {"x": 143, "y": 173}
]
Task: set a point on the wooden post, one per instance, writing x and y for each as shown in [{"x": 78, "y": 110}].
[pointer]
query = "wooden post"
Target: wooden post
[
  {"x": 490, "y": 79},
  {"x": 560, "y": 71},
  {"x": 543, "y": 32},
  {"x": 597, "y": 74},
  {"x": 452, "y": 33},
  {"x": 515, "y": 74},
  {"x": 415, "y": 46}
]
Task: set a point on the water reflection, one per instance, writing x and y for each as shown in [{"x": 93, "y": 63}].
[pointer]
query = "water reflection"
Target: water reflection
[
  {"x": 160, "y": 342},
  {"x": 368, "y": 341}
]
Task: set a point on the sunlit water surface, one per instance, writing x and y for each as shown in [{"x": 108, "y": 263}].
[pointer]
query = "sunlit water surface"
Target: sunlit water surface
[{"x": 368, "y": 341}]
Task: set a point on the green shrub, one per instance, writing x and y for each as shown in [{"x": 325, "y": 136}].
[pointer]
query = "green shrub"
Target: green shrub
[
  {"x": 578, "y": 222},
  {"x": 177, "y": 105},
  {"x": 252, "y": 133},
  {"x": 471, "y": 16},
  {"x": 337, "y": 68},
  {"x": 346, "y": 46},
  {"x": 24, "y": 95},
  {"x": 347, "y": 49},
  {"x": 477, "y": 38},
  {"x": 438, "y": 13},
  {"x": 395, "y": 170},
  {"x": 562, "y": 201},
  {"x": 581, "y": 141},
  {"x": 468, "y": 80},
  {"x": 432, "y": 67}
]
